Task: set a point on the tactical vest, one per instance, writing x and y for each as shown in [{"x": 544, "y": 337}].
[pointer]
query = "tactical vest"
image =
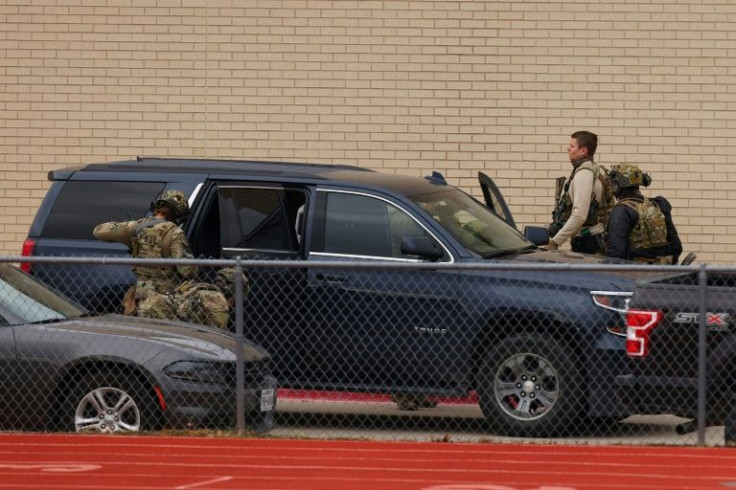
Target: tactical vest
[
  {"x": 149, "y": 242},
  {"x": 598, "y": 212},
  {"x": 650, "y": 230}
]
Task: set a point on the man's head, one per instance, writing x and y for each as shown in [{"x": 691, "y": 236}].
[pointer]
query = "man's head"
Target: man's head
[
  {"x": 173, "y": 205},
  {"x": 226, "y": 282},
  {"x": 582, "y": 144},
  {"x": 627, "y": 176}
]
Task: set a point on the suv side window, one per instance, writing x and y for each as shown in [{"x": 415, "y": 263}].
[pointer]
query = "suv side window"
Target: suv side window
[
  {"x": 82, "y": 205},
  {"x": 363, "y": 225},
  {"x": 259, "y": 218}
]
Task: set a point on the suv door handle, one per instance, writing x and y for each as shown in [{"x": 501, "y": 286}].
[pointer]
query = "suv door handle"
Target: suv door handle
[{"x": 334, "y": 279}]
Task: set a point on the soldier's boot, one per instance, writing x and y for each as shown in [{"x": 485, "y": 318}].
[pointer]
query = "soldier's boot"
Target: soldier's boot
[{"x": 413, "y": 401}]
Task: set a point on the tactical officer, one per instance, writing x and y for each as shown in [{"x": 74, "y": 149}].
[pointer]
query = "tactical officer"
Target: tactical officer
[
  {"x": 583, "y": 202},
  {"x": 159, "y": 236},
  {"x": 225, "y": 281},
  {"x": 639, "y": 228}
]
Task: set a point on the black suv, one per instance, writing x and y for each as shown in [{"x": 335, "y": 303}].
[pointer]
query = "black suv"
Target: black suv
[{"x": 541, "y": 348}]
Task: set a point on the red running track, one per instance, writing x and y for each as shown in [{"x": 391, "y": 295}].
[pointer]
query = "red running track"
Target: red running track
[{"x": 155, "y": 462}]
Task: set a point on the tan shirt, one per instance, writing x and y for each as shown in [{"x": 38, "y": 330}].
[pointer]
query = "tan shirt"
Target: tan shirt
[{"x": 581, "y": 188}]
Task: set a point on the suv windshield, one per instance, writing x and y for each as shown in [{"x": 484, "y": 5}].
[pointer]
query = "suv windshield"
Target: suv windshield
[
  {"x": 471, "y": 223},
  {"x": 24, "y": 300}
]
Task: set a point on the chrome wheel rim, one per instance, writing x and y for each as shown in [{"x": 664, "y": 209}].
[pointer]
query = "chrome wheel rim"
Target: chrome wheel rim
[
  {"x": 526, "y": 386},
  {"x": 107, "y": 410}
]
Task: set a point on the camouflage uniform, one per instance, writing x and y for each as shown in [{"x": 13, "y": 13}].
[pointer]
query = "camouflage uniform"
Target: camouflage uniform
[
  {"x": 226, "y": 282},
  {"x": 637, "y": 228},
  {"x": 206, "y": 303},
  {"x": 201, "y": 302},
  {"x": 163, "y": 291},
  {"x": 155, "y": 238},
  {"x": 649, "y": 232}
]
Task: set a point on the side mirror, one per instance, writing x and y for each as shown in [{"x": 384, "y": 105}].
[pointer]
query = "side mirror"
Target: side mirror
[
  {"x": 421, "y": 246},
  {"x": 538, "y": 235}
]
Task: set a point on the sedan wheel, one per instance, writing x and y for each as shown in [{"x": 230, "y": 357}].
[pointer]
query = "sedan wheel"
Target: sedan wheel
[
  {"x": 106, "y": 410},
  {"x": 111, "y": 402}
]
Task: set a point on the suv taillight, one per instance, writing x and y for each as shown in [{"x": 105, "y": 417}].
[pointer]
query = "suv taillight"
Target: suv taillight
[
  {"x": 29, "y": 246},
  {"x": 639, "y": 325}
]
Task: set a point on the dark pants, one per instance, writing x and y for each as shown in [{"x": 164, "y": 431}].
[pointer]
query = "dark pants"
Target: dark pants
[{"x": 587, "y": 244}]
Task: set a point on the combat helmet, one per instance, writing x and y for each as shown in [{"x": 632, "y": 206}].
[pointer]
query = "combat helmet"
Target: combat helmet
[
  {"x": 226, "y": 282},
  {"x": 176, "y": 201},
  {"x": 626, "y": 175}
]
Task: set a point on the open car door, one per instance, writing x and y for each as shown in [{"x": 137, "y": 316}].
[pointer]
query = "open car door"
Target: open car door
[{"x": 494, "y": 199}]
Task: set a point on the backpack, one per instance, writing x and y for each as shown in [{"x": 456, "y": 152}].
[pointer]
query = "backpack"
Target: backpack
[
  {"x": 651, "y": 227},
  {"x": 673, "y": 238},
  {"x": 655, "y": 226},
  {"x": 600, "y": 211}
]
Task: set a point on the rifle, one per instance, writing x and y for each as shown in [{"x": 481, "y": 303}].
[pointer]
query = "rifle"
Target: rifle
[{"x": 560, "y": 207}]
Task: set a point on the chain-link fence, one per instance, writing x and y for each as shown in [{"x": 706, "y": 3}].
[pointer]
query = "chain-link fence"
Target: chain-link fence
[{"x": 375, "y": 350}]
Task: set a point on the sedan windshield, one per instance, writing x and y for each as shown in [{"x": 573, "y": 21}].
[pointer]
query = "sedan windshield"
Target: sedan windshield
[
  {"x": 25, "y": 300},
  {"x": 471, "y": 223}
]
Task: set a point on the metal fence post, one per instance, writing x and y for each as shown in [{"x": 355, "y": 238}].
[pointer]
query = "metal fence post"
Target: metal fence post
[
  {"x": 702, "y": 339},
  {"x": 239, "y": 345}
]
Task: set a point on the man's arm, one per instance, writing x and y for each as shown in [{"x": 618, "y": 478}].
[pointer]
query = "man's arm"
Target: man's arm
[
  {"x": 180, "y": 249},
  {"x": 115, "y": 231},
  {"x": 581, "y": 189},
  {"x": 620, "y": 224}
]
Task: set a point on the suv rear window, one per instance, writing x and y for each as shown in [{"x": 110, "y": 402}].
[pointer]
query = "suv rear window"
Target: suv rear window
[{"x": 82, "y": 205}]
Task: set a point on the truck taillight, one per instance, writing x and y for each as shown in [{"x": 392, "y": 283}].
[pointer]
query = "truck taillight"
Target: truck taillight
[
  {"x": 29, "y": 246},
  {"x": 639, "y": 325}
]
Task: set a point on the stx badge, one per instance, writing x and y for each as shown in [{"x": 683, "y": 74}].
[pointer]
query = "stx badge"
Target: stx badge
[{"x": 716, "y": 322}]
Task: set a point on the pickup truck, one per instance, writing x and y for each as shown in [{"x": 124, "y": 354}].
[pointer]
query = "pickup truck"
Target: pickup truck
[{"x": 663, "y": 347}]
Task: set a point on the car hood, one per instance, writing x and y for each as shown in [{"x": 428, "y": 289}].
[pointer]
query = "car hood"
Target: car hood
[
  {"x": 197, "y": 339},
  {"x": 542, "y": 256},
  {"x": 589, "y": 279}
]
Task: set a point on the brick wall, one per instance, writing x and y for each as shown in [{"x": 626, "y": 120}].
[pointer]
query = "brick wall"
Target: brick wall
[{"x": 406, "y": 87}]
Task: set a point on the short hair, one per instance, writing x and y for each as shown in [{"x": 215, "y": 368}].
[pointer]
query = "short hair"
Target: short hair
[{"x": 586, "y": 139}]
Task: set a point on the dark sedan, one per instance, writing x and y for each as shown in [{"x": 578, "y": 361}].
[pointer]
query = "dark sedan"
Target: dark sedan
[{"x": 63, "y": 368}]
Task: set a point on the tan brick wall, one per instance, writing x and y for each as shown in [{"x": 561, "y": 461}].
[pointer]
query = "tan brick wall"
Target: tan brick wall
[{"x": 407, "y": 87}]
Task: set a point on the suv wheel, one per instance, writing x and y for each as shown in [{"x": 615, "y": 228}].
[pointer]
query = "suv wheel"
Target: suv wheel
[
  {"x": 106, "y": 403},
  {"x": 530, "y": 386}
]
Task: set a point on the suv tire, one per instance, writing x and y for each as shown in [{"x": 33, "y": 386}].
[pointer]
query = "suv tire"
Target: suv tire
[{"x": 530, "y": 386}]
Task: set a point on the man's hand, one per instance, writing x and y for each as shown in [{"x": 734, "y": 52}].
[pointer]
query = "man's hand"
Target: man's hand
[
  {"x": 550, "y": 246},
  {"x": 554, "y": 227}
]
